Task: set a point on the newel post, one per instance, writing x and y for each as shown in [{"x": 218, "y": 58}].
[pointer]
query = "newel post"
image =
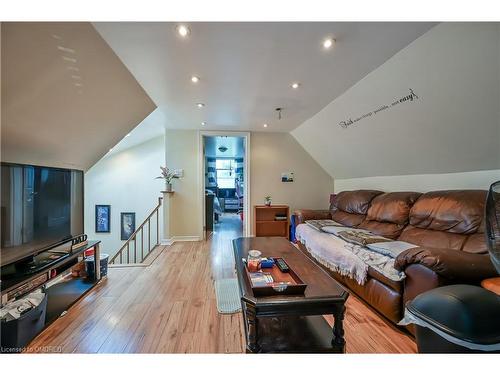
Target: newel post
[{"x": 167, "y": 237}]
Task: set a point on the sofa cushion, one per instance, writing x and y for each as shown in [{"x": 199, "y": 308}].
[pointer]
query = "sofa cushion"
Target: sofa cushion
[
  {"x": 453, "y": 211},
  {"x": 433, "y": 238},
  {"x": 392, "y": 207},
  {"x": 388, "y": 213},
  {"x": 475, "y": 243},
  {"x": 350, "y": 207}
]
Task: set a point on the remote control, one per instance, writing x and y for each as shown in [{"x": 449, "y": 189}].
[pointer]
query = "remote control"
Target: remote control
[{"x": 282, "y": 265}]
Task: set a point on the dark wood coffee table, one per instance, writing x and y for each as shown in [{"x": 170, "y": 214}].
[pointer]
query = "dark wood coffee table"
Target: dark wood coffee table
[{"x": 291, "y": 323}]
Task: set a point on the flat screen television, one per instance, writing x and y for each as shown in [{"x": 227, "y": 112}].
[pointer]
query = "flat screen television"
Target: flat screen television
[{"x": 40, "y": 208}]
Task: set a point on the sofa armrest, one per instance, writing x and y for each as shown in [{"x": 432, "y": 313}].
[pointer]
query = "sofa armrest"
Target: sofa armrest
[
  {"x": 302, "y": 215},
  {"x": 420, "y": 279},
  {"x": 453, "y": 265}
]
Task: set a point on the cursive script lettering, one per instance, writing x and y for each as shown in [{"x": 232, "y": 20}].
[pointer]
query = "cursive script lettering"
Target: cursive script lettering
[{"x": 409, "y": 97}]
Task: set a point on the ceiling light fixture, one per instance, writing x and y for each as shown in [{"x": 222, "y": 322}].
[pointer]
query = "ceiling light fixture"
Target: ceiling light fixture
[
  {"x": 203, "y": 123},
  {"x": 128, "y": 135},
  {"x": 183, "y": 30},
  {"x": 279, "y": 109},
  {"x": 200, "y": 105},
  {"x": 195, "y": 79},
  {"x": 295, "y": 85},
  {"x": 110, "y": 149},
  {"x": 328, "y": 43},
  {"x": 222, "y": 148},
  {"x": 265, "y": 125}
]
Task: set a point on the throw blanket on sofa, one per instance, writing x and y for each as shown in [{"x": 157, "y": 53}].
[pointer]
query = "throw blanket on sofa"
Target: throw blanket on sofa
[
  {"x": 379, "y": 262},
  {"x": 329, "y": 250},
  {"x": 347, "y": 259},
  {"x": 320, "y": 224},
  {"x": 360, "y": 238}
]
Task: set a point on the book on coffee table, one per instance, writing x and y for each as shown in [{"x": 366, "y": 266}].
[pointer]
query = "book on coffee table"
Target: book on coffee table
[{"x": 261, "y": 279}]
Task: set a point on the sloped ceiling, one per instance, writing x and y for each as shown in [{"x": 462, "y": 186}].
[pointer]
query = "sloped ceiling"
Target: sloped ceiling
[
  {"x": 66, "y": 97},
  {"x": 450, "y": 124}
]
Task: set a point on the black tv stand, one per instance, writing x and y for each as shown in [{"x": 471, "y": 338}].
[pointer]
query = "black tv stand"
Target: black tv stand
[{"x": 61, "y": 286}]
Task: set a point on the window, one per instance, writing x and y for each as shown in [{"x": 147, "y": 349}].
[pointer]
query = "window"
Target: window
[{"x": 225, "y": 173}]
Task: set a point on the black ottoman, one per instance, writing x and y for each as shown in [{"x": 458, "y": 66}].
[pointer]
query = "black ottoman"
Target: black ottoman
[{"x": 456, "y": 319}]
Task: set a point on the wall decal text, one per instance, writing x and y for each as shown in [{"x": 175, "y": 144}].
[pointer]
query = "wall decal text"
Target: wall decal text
[{"x": 407, "y": 98}]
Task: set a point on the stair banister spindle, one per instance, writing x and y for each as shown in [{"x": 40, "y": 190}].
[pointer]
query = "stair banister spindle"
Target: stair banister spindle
[
  {"x": 135, "y": 249},
  {"x": 134, "y": 237},
  {"x": 157, "y": 227}
]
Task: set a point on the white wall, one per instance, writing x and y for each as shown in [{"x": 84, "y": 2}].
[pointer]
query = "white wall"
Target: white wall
[
  {"x": 126, "y": 181},
  {"x": 182, "y": 153},
  {"x": 453, "y": 126},
  {"x": 274, "y": 153},
  {"x": 422, "y": 183}
]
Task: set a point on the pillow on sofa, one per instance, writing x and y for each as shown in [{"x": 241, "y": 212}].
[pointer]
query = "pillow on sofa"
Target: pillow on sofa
[
  {"x": 319, "y": 224},
  {"x": 391, "y": 249},
  {"x": 360, "y": 238}
]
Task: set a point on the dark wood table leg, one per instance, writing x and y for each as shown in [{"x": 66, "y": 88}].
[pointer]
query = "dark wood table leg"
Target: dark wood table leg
[
  {"x": 252, "y": 329},
  {"x": 338, "y": 341}
]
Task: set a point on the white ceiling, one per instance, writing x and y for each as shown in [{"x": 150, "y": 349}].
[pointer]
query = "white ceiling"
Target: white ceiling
[
  {"x": 246, "y": 68},
  {"x": 235, "y": 147}
]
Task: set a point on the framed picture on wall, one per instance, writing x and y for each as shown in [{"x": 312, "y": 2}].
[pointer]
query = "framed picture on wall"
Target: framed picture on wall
[
  {"x": 287, "y": 177},
  {"x": 102, "y": 218},
  {"x": 127, "y": 220}
]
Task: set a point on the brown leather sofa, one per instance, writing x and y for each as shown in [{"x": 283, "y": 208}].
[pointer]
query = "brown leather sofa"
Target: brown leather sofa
[{"x": 447, "y": 225}]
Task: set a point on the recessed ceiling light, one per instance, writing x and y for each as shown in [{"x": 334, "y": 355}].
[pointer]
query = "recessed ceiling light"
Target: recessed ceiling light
[
  {"x": 195, "y": 79},
  {"x": 328, "y": 43},
  {"x": 183, "y": 30},
  {"x": 265, "y": 125},
  {"x": 203, "y": 123},
  {"x": 295, "y": 85},
  {"x": 200, "y": 105}
]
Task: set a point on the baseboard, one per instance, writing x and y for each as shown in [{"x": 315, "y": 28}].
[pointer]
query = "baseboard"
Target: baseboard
[{"x": 174, "y": 239}]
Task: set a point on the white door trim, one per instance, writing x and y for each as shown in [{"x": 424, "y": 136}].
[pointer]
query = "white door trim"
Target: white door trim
[{"x": 246, "y": 173}]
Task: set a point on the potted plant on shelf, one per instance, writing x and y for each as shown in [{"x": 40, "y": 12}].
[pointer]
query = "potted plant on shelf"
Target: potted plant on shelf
[
  {"x": 168, "y": 175},
  {"x": 267, "y": 200}
]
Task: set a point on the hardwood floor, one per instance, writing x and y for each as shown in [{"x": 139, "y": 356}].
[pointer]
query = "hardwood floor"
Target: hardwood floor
[{"x": 169, "y": 307}]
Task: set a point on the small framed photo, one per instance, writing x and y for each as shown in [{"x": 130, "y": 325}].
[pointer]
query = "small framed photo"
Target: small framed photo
[
  {"x": 102, "y": 218},
  {"x": 127, "y": 220},
  {"x": 287, "y": 177}
]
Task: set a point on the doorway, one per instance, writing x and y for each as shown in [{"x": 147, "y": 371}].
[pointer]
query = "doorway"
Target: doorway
[{"x": 225, "y": 183}]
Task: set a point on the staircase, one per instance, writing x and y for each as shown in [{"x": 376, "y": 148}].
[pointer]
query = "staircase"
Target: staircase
[{"x": 139, "y": 246}]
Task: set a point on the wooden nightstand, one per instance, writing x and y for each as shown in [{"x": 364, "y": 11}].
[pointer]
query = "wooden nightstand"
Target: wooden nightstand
[
  {"x": 492, "y": 284},
  {"x": 267, "y": 223}
]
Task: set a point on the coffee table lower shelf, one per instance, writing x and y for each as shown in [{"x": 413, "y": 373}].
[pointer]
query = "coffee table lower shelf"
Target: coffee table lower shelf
[{"x": 295, "y": 334}]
